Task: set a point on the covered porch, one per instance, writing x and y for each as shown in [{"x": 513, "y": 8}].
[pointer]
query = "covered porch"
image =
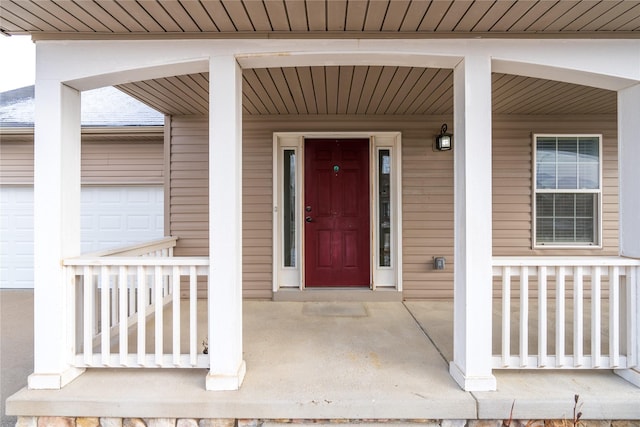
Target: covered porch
[
  {"x": 120, "y": 292},
  {"x": 360, "y": 361}
]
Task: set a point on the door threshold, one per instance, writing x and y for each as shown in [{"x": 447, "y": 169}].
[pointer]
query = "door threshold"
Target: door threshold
[{"x": 337, "y": 294}]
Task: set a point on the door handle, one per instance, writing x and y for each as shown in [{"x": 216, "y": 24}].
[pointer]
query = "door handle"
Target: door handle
[{"x": 308, "y": 219}]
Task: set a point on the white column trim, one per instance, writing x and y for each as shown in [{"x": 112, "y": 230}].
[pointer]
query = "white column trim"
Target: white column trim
[
  {"x": 629, "y": 209},
  {"x": 629, "y": 178},
  {"x": 227, "y": 367},
  {"x": 471, "y": 365},
  {"x": 56, "y": 231}
]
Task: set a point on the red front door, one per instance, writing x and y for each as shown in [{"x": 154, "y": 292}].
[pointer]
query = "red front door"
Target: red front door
[{"x": 336, "y": 212}]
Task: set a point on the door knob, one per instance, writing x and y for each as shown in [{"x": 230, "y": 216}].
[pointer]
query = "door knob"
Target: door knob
[{"x": 308, "y": 219}]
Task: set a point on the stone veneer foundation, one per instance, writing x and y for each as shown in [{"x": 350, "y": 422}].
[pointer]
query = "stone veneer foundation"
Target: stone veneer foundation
[{"x": 232, "y": 422}]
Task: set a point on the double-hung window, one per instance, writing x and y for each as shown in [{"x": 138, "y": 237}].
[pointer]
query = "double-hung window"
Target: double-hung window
[{"x": 567, "y": 190}]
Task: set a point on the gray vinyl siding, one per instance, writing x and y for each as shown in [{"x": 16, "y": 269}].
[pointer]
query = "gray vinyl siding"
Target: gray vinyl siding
[{"x": 427, "y": 192}]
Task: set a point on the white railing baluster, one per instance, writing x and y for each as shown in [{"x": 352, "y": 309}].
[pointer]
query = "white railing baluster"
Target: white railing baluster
[
  {"x": 596, "y": 317},
  {"x": 74, "y": 332},
  {"x": 176, "y": 314},
  {"x": 560, "y": 296},
  {"x": 614, "y": 319},
  {"x": 578, "y": 317},
  {"x": 524, "y": 316},
  {"x": 158, "y": 284},
  {"x": 142, "y": 308},
  {"x": 506, "y": 315},
  {"x": 586, "y": 275},
  {"x": 131, "y": 292},
  {"x": 542, "y": 316},
  {"x": 105, "y": 312},
  {"x": 113, "y": 292},
  {"x": 632, "y": 316},
  {"x": 123, "y": 291},
  {"x": 89, "y": 313},
  {"x": 193, "y": 315}
]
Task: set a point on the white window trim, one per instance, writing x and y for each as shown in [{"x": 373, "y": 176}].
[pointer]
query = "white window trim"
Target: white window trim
[
  {"x": 599, "y": 192},
  {"x": 381, "y": 277}
]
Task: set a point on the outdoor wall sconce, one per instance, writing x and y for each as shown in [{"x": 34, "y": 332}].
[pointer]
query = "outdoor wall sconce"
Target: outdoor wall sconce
[
  {"x": 438, "y": 262},
  {"x": 443, "y": 141}
]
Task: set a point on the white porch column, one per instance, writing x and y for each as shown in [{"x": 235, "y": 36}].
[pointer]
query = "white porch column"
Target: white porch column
[
  {"x": 629, "y": 179},
  {"x": 629, "y": 158},
  {"x": 56, "y": 231},
  {"x": 471, "y": 365},
  {"x": 227, "y": 368}
]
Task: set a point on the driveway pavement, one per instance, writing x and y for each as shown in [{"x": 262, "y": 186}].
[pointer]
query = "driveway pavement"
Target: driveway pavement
[{"x": 16, "y": 345}]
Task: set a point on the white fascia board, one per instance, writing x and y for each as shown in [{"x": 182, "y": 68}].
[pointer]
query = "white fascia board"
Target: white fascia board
[{"x": 611, "y": 64}]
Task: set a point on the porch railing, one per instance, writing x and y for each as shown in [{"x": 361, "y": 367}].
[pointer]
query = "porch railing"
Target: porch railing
[
  {"x": 569, "y": 312},
  {"x": 121, "y": 300}
]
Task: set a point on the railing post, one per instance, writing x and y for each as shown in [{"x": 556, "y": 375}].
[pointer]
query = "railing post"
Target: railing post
[{"x": 632, "y": 373}]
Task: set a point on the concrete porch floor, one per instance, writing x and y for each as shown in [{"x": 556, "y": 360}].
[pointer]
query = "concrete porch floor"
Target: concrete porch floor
[{"x": 353, "y": 360}]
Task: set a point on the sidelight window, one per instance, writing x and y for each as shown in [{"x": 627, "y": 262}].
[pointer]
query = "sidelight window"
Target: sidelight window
[
  {"x": 384, "y": 208},
  {"x": 289, "y": 208}
]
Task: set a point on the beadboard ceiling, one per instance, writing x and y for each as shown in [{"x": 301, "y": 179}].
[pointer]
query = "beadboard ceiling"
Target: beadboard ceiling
[
  {"x": 339, "y": 89},
  {"x": 357, "y": 18},
  {"x": 369, "y": 90}
]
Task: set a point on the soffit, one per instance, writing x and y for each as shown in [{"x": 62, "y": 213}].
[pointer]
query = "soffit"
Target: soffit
[
  {"x": 383, "y": 90},
  {"x": 320, "y": 18}
]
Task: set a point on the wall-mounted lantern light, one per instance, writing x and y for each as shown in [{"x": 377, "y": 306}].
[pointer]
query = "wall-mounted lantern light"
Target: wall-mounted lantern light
[{"x": 443, "y": 141}]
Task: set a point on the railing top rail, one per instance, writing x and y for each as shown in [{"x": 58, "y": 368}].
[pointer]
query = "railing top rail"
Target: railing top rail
[
  {"x": 136, "y": 261},
  {"x": 556, "y": 261},
  {"x": 138, "y": 249}
]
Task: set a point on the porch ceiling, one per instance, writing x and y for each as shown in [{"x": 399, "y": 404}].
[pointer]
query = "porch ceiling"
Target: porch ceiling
[
  {"x": 339, "y": 90},
  {"x": 369, "y": 90},
  {"x": 320, "y": 18}
]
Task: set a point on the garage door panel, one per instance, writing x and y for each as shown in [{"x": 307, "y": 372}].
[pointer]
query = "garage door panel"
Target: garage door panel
[
  {"x": 117, "y": 216},
  {"x": 110, "y": 217}
]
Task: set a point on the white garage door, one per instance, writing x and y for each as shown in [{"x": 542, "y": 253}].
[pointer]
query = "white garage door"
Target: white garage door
[{"x": 110, "y": 217}]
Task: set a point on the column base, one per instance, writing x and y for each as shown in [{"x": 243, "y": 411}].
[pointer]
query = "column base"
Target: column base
[
  {"x": 215, "y": 382},
  {"x": 53, "y": 381},
  {"x": 632, "y": 375},
  {"x": 472, "y": 383}
]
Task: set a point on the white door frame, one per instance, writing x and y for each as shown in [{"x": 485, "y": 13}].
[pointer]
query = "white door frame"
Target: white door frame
[{"x": 292, "y": 277}]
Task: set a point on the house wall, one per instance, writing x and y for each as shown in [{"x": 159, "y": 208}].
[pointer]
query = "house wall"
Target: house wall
[
  {"x": 512, "y": 181},
  {"x": 427, "y": 178},
  {"x": 103, "y": 163}
]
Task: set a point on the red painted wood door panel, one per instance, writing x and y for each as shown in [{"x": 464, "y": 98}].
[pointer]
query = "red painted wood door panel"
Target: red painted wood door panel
[{"x": 337, "y": 212}]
